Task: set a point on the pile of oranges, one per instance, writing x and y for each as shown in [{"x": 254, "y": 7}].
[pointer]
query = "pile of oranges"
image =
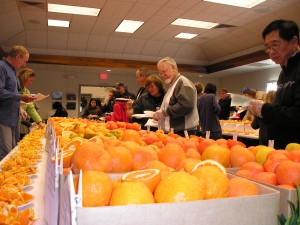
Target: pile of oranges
[
  {"x": 207, "y": 180},
  {"x": 176, "y": 159}
]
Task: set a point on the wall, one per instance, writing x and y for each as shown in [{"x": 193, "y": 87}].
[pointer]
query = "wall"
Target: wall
[{"x": 257, "y": 80}]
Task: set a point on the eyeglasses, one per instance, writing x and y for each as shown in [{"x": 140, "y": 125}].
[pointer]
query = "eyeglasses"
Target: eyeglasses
[{"x": 273, "y": 46}]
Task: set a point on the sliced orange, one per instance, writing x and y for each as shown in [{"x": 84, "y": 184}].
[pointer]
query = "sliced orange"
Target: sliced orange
[
  {"x": 72, "y": 145},
  {"x": 150, "y": 177},
  {"x": 210, "y": 162}
]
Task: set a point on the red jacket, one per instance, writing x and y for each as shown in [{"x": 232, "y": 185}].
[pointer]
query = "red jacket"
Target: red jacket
[{"x": 119, "y": 113}]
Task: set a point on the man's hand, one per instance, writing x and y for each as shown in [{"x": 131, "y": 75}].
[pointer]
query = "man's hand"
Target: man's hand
[{"x": 255, "y": 107}]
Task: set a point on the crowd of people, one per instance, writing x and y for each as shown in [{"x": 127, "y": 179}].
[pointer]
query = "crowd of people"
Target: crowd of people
[{"x": 184, "y": 108}]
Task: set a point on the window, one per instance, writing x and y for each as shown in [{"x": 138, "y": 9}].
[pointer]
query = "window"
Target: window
[{"x": 271, "y": 86}]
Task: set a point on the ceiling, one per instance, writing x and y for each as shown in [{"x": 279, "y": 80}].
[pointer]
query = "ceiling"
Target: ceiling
[{"x": 92, "y": 42}]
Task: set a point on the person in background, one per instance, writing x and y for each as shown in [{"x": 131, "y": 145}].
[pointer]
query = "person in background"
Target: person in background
[
  {"x": 179, "y": 107},
  {"x": 10, "y": 98},
  {"x": 150, "y": 100},
  {"x": 261, "y": 123},
  {"x": 92, "y": 111},
  {"x": 248, "y": 115},
  {"x": 199, "y": 87},
  {"x": 109, "y": 102},
  {"x": 281, "y": 39},
  {"x": 209, "y": 109},
  {"x": 60, "y": 110},
  {"x": 225, "y": 104},
  {"x": 26, "y": 77},
  {"x": 122, "y": 92},
  {"x": 119, "y": 112},
  {"x": 141, "y": 76}
]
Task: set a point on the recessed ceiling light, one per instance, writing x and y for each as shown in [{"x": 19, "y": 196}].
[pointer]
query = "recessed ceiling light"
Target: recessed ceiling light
[
  {"x": 58, "y": 23},
  {"x": 186, "y": 35},
  {"x": 129, "y": 26},
  {"x": 194, "y": 23},
  {"x": 73, "y": 9},
  {"x": 239, "y": 3},
  {"x": 108, "y": 70}
]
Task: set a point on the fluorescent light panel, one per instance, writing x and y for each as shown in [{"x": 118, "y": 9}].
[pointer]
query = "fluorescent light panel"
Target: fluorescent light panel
[
  {"x": 186, "y": 35},
  {"x": 194, "y": 23},
  {"x": 73, "y": 9},
  {"x": 239, "y": 3},
  {"x": 129, "y": 26},
  {"x": 58, "y": 23}
]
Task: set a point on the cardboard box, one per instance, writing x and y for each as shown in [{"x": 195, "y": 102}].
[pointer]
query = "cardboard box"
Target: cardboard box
[
  {"x": 285, "y": 195},
  {"x": 261, "y": 209}
]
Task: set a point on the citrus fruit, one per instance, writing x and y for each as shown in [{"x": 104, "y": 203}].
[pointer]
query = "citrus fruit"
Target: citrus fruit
[
  {"x": 179, "y": 187},
  {"x": 288, "y": 172},
  {"x": 150, "y": 177},
  {"x": 262, "y": 154},
  {"x": 240, "y": 155},
  {"x": 142, "y": 156},
  {"x": 242, "y": 187},
  {"x": 266, "y": 177},
  {"x": 121, "y": 159},
  {"x": 171, "y": 155},
  {"x": 204, "y": 144},
  {"x": 217, "y": 153},
  {"x": 72, "y": 145},
  {"x": 292, "y": 147},
  {"x": 253, "y": 167},
  {"x": 244, "y": 173},
  {"x": 128, "y": 193},
  {"x": 91, "y": 156},
  {"x": 187, "y": 164},
  {"x": 156, "y": 164},
  {"x": 213, "y": 179},
  {"x": 96, "y": 188}
]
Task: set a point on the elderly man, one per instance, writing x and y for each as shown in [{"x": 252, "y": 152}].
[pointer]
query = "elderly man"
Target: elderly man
[
  {"x": 281, "y": 39},
  {"x": 10, "y": 98},
  {"x": 179, "y": 106}
]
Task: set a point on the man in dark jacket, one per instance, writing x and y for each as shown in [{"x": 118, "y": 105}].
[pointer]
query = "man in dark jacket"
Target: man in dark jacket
[{"x": 282, "y": 44}]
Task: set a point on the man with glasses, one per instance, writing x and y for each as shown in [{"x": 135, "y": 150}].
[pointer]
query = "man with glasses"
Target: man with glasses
[
  {"x": 281, "y": 39},
  {"x": 10, "y": 98},
  {"x": 179, "y": 107}
]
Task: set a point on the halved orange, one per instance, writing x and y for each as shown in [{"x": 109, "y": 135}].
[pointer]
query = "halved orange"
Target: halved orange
[
  {"x": 210, "y": 162},
  {"x": 150, "y": 177}
]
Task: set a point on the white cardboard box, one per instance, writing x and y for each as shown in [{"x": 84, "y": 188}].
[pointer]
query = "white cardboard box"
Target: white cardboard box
[{"x": 260, "y": 209}]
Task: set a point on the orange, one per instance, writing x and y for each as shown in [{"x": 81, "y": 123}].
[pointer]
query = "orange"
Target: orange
[
  {"x": 221, "y": 141},
  {"x": 266, "y": 177},
  {"x": 96, "y": 188},
  {"x": 231, "y": 143},
  {"x": 273, "y": 161},
  {"x": 26, "y": 216},
  {"x": 254, "y": 149},
  {"x": 187, "y": 164},
  {"x": 156, "y": 164},
  {"x": 128, "y": 193},
  {"x": 217, "y": 153},
  {"x": 293, "y": 155},
  {"x": 150, "y": 137},
  {"x": 171, "y": 155},
  {"x": 213, "y": 179},
  {"x": 121, "y": 159},
  {"x": 193, "y": 153},
  {"x": 204, "y": 144},
  {"x": 244, "y": 173},
  {"x": 91, "y": 156},
  {"x": 242, "y": 187},
  {"x": 132, "y": 135},
  {"x": 253, "y": 167},
  {"x": 142, "y": 156},
  {"x": 240, "y": 155},
  {"x": 110, "y": 142},
  {"x": 150, "y": 177},
  {"x": 288, "y": 172},
  {"x": 179, "y": 187}
]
